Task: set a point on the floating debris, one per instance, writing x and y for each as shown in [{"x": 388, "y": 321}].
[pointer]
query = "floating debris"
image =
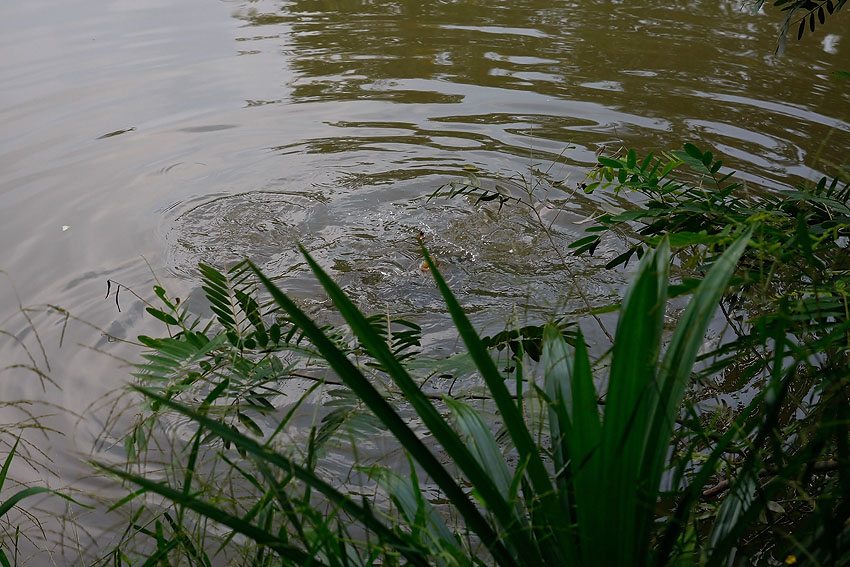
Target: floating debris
[{"x": 117, "y": 133}]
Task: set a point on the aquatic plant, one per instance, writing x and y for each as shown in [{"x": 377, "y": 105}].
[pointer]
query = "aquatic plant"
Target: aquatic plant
[
  {"x": 520, "y": 499},
  {"x": 787, "y": 304}
]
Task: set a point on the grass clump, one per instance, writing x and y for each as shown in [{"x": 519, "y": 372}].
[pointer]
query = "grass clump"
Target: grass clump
[{"x": 469, "y": 497}]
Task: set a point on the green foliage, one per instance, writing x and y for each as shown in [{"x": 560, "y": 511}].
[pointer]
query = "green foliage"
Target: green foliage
[
  {"x": 800, "y": 238},
  {"x": 11, "y": 501},
  {"x": 801, "y": 14},
  {"x": 787, "y": 301},
  {"x": 546, "y": 468},
  {"x": 526, "y": 340},
  {"x": 556, "y": 501}
]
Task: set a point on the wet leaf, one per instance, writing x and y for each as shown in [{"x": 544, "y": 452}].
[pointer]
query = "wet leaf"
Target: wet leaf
[{"x": 583, "y": 241}]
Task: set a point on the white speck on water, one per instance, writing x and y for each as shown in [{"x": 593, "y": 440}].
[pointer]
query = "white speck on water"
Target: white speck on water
[{"x": 830, "y": 43}]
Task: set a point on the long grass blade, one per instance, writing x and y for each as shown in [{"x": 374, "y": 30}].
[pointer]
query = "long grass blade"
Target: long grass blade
[
  {"x": 8, "y": 462},
  {"x": 355, "y": 380},
  {"x": 575, "y": 427},
  {"x": 618, "y": 457},
  {"x": 358, "y": 511},
  {"x": 13, "y": 500},
  {"x": 484, "y": 447},
  {"x": 420, "y": 514},
  {"x": 217, "y": 515},
  {"x": 746, "y": 421},
  {"x": 361, "y": 512},
  {"x": 557, "y": 395},
  {"x": 548, "y": 516},
  {"x": 672, "y": 380}
]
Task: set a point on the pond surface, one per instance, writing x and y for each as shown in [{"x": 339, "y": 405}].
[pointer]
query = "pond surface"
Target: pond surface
[{"x": 142, "y": 137}]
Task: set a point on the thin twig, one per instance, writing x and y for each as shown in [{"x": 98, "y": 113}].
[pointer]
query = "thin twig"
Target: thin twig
[{"x": 723, "y": 485}]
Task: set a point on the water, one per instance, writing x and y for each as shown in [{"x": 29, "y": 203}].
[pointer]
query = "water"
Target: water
[{"x": 167, "y": 133}]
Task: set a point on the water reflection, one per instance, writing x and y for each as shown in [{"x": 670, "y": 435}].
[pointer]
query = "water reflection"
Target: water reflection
[
  {"x": 389, "y": 99},
  {"x": 641, "y": 73}
]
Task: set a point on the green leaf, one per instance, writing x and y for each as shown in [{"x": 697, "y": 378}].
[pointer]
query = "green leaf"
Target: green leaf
[
  {"x": 252, "y": 426},
  {"x": 10, "y": 502},
  {"x": 620, "y": 259},
  {"x": 694, "y": 152},
  {"x": 407, "y": 494},
  {"x": 162, "y": 316},
  {"x": 584, "y": 241},
  {"x": 539, "y": 477},
  {"x": 355, "y": 380},
  {"x": 665, "y": 395},
  {"x": 805, "y": 242},
  {"x": 481, "y": 442},
  {"x": 575, "y": 431},
  {"x": 8, "y": 462},
  {"x": 618, "y": 458},
  {"x": 739, "y": 499},
  {"x": 267, "y": 457},
  {"x": 608, "y": 162}
]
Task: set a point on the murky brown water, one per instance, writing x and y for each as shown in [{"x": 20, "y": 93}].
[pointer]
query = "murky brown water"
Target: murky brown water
[{"x": 208, "y": 131}]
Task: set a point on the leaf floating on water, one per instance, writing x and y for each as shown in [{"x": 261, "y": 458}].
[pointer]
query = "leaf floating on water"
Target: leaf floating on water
[
  {"x": 117, "y": 133},
  {"x": 65, "y": 227}
]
